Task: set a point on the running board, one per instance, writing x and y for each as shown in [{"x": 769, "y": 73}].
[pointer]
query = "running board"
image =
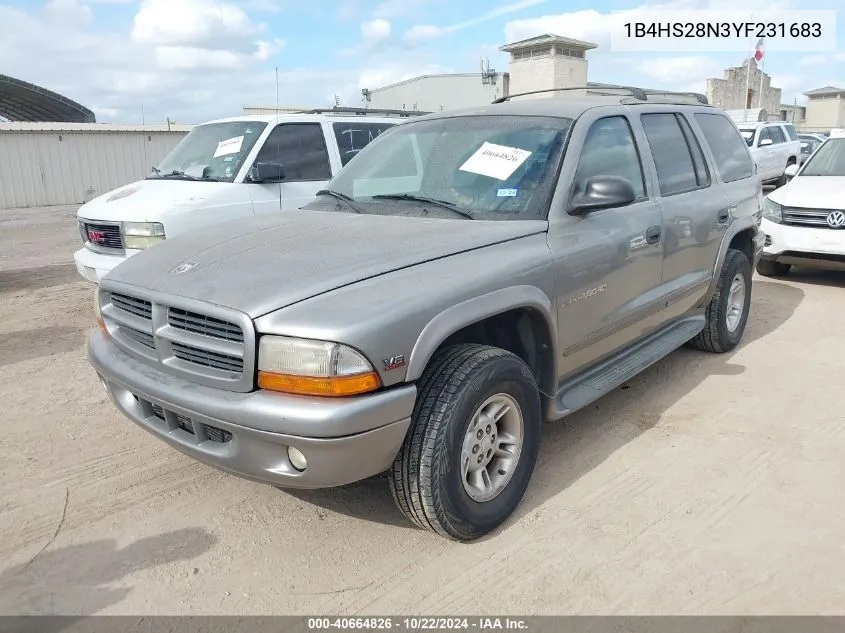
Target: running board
[{"x": 585, "y": 388}]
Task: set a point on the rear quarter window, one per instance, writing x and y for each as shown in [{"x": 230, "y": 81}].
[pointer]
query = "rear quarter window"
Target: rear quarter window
[
  {"x": 790, "y": 132},
  {"x": 727, "y": 146},
  {"x": 353, "y": 137}
]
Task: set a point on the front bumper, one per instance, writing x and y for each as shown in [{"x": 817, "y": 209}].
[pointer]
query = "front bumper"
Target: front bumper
[
  {"x": 94, "y": 266},
  {"x": 247, "y": 434},
  {"x": 820, "y": 247}
]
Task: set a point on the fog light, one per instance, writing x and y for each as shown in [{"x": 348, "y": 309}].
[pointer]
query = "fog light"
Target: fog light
[{"x": 297, "y": 459}]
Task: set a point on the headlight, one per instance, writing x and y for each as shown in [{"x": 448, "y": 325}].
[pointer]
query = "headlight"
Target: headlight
[
  {"x": 313, "y": 368},
  {"x": 141, "y": 235},
  {"x": 772, "y": 210}
]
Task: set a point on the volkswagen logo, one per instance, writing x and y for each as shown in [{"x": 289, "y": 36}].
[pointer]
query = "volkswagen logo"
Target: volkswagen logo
[
  {"x": 184, "y": 267},
  {"x": 836, "y": 219}
]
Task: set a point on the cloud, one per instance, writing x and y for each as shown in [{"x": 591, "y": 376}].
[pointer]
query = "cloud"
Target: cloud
[
  {"x": 375, "y": 37},
  {"x": 402, "y": 8},
  {"x": 207, "y": 24},
  {"x": 422, "y": 33},
  {"x": 67, "y": 12},
  {"x": 376, "y": 30},
  {"x": 813, "y": 60}
]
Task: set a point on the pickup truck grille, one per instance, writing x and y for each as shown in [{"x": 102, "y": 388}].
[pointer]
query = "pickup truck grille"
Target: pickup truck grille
[
  {"x": 212, "y": 346},
  {"x": 102, "y": 235},
  {"x": 816, "y": 218}
]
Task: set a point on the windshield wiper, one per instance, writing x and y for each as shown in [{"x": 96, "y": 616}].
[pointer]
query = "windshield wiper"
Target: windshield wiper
[
  {"x": 350, "y": 201},
  {"x": 444, "y": 204}
]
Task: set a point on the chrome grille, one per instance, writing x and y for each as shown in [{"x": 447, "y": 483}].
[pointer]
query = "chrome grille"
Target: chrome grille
[
  {"x": 205, "y": 325},
  {"x": 201, "y": 343},
  {"x": 816, "y": 218},
  {"x": 138, "y": 307},
  {"x": 107, "y": 236},
  {"x": 207, "y": 358}
]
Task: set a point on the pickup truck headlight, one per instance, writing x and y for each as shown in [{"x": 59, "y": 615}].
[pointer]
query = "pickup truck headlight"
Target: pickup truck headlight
[
  {"x": 772, "y": 211},
  {"x": 141, "y": 235},
  {"x": 313, "y": 368}
]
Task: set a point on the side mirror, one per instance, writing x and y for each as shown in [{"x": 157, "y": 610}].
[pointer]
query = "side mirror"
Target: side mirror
[
  {"x": 791, "y": 170},
  {"x": 603, "y": 192},
  {"x": 267, "y": 172},
  {"x": 764, "y": 142}
]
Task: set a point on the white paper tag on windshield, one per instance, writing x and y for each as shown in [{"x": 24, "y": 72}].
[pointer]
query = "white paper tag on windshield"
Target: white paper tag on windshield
[
  {"x": 229, "y": 146},
  {"x": 495, "y": 161}
]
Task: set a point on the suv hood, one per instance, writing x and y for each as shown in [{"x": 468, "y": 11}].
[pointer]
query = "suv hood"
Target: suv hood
[
  {"x": 814, "y": 192},
  {"x": 268, "y": 262},
  {"x": 148, "y": 200}
]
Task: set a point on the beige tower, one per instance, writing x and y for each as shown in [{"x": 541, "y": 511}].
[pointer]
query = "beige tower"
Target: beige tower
[{"x": 547, "y": 61}]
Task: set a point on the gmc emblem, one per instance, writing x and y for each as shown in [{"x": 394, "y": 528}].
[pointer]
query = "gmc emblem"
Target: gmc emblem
[{"x": 97, "y": 237}]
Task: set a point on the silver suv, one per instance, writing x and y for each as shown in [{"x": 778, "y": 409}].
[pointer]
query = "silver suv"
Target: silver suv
[{"x": 466, "y": 277}]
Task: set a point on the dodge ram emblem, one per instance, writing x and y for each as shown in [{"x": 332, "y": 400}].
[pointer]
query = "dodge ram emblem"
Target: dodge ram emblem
[
  {"x": 836, "y": 220},
  {"x": 184, "y": 267}
]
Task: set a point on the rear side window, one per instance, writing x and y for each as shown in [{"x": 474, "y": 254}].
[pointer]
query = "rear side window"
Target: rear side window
[
  {"x": 353, "y": 137},
  {"x": 777, "y": 134},
  {"x": 790, "y": 132},
  {"x": 727, "y": 147},
  {"x": 673, "y": 156}
]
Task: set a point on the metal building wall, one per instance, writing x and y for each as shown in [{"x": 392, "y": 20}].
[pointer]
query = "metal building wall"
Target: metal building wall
[
  {"x": 46, "y": 167},
  {"x": 433, "y": 93}
]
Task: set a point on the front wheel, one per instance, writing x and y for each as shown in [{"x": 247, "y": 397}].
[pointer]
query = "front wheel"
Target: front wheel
[
  {"x": 727, "y": 312},
  {"x": 473, "y": 442}
]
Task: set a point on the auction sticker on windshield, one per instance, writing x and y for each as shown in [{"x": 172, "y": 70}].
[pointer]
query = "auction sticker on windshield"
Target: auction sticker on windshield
[
  {"x": 495, "y": 161},
  {"x": 229, "y": 146}
]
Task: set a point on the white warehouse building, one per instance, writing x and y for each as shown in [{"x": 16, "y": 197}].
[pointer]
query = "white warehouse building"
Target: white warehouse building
[
  {"x": 44, "y": 163},
  {"x": 538, "y": 63}
]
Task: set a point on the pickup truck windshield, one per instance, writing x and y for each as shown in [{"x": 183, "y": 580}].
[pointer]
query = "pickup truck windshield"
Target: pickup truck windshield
[
  {"x": 476, "y": 167},
  {"x": 212, "y": 152},
  {"x": 828, "y": 160}
]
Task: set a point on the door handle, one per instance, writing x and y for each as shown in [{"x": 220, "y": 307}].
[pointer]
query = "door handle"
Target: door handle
[
  {"x": 652, "y": 235},
  {"x": 724, "y": 216}
]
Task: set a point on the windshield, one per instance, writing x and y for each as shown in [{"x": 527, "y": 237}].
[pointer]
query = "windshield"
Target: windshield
[
  {"x": 479, "y": 167},
  {"x": 748, "y": 135},
  {"x": 212, "y": 152},
  {"x": 827, "y": 160}
]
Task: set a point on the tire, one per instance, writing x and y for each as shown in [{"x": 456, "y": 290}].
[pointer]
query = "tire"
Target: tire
[
  {"x": 768, "y": 268},
  {"x": 717, "y": 336},
  {"x": 427, "y": 478}
]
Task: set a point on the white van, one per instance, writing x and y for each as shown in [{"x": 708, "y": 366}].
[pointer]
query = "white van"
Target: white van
[{"x": 223, "y": 170}]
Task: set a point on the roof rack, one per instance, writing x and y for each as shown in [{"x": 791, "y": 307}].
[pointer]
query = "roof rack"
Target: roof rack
[
  {"x": 634, "y": 94},
  {"x": 365, "y": 111},
  {"x": 637, "y": 93}
]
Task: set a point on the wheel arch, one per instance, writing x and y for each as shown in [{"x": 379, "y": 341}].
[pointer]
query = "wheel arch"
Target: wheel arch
[
  {"x": 740, "y": 235},
  {"x": 528, "y": 308}
]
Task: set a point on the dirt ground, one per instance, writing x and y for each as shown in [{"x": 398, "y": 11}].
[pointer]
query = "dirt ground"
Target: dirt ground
[{"x": 709, "y": 484}]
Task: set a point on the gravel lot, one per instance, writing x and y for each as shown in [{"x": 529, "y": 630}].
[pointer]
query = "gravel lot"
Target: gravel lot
[{"x": 709, "y": 484}]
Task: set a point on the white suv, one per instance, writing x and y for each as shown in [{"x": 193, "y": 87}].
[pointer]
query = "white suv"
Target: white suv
[
  {"x": 804, "y": 221},
  {"x": 774, "y": 145}
]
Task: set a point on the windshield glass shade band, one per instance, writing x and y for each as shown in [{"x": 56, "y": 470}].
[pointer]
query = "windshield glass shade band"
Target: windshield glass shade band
[
  {"x": 213, "y": 152},
  {"x": 485, "y": 167}
]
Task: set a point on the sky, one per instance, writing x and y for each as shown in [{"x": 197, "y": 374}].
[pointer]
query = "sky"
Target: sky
[{"x": 195, "y": 60}]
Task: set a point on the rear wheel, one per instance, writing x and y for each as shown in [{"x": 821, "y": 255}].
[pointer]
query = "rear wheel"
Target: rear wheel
[
  {"x": 769, "y": 268},
  {"x": 780, "y": 182},
  {"x": 727, "y": 312},
  {"x": 473, "y": 442}
]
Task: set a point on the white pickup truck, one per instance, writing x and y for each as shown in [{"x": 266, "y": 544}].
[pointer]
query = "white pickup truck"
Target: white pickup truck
[
  {"x": 774, "y": 145},
  {"x": 223, "y": 170}
]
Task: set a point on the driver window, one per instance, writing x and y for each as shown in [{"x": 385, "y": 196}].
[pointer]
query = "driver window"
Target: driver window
[
  {"x": 764, "y": 134},
  {"x": 301, "y": 148},
  {"x": 610, "y": 150}
]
